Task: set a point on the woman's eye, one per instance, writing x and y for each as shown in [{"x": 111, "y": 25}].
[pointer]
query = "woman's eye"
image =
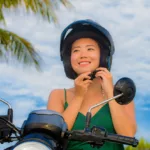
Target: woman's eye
[
  {"x": 76, "y": 50},
  {"x": 90, "y": 49}
]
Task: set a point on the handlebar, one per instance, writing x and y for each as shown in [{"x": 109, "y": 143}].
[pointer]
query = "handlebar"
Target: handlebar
[
  {"x": 122, "y": 139},
  {"x": 98, "y": 136}
]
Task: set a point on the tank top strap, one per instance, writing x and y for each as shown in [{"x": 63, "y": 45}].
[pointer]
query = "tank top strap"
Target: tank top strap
[{"x": 65, "y": 97}]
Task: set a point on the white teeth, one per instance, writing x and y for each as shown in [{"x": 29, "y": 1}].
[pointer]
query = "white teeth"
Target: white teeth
[{"x": 84, "y": 63}]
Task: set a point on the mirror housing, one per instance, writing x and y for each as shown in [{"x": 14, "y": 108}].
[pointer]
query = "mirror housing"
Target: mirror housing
[{"x": 127, "y": 87}]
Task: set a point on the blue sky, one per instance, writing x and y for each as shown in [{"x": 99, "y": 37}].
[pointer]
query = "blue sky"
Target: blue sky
[{"x": 128, "y": 22}]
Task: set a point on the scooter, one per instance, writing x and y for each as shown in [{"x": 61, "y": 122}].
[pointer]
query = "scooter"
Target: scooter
[{"x": 47, "y": 130}]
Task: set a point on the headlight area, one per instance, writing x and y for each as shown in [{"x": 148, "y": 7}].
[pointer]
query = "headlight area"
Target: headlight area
[{"x": 35, "y": 141}]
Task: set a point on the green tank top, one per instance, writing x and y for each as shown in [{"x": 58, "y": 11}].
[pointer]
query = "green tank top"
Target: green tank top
[{"x": 101, "y": 118}]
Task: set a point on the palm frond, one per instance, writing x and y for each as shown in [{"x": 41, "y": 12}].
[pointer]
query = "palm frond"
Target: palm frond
[
  {"x": 7, "y": 4},
  {"x": 10, "y": 43},
  {"x": 66, "y": 3},
  {"x": 46, "y": 8},
  {"x": 10, "y": 3},
  {"x": 2, "y": 19},
  {"x": 19, "y": 48}
]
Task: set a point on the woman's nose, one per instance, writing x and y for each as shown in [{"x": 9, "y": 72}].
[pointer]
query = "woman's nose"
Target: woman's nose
[{"x": 83, "y": 54}]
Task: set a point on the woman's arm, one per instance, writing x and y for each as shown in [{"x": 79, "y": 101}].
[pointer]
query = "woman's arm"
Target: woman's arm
[
  {"x": 123, "y": 117},
  {"x": 56, "y": 103},
  {"x": 56, "y": 100}
]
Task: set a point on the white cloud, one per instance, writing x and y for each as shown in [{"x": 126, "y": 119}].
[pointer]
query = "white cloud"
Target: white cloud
[
  {"x": 142, "y": 132},
  {"x": 145, "y": 108},
  {"x": 34, "y": 83}
]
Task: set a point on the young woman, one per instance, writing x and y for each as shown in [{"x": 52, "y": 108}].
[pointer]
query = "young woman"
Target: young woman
[{"x": 86, "y": 48}]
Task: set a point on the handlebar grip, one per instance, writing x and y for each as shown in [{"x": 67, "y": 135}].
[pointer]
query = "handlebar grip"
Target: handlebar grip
[
  {"x": 99, "y": 136},
  {"x": 122, "y": 139}
]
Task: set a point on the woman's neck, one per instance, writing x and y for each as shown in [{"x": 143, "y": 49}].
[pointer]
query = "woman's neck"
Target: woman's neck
[
  {"x": 96, "y": 85},
  {"x": 95, "y": 89}
]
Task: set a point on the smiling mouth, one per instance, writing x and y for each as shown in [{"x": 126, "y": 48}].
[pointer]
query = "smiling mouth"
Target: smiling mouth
[{"x": 84, "y": 63}]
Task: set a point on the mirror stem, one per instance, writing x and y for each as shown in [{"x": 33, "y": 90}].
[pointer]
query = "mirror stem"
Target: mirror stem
[
  {"x": 10, "y": 110},
  {"x": 5, "y": 102},
  {"x": 88, "y": 115},
  {"x": 105, "y": 101}
]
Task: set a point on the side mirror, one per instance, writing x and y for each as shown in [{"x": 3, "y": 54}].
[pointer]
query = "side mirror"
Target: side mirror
[
  {"x": 124, "y": 92},
  {"x": 127, "y": 87}
]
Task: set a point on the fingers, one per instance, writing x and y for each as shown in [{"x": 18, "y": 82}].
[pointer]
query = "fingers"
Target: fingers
[
  {"x": 80, "y": 80},
  {"x": 83, "y": 77},
  {"x": 81, "y": 85},
  {"x": 103, "y": 72},
  {"x": 87, "y": 82},
  {"x": 103, "y": 69}
]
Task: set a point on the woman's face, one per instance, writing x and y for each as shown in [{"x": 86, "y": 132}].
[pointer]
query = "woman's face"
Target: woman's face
[{"x": 85, "y": 55}]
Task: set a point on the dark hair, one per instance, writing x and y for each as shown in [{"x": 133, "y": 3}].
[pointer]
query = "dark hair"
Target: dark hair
[{"x": 74, "y": 35}]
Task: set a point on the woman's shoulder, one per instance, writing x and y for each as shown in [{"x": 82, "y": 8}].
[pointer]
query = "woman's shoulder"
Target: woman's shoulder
[
  {"x": 56, "y": 99},
  {"x": 61, "y": 94},
  {"x": 57, "y": 92},
  {"x": 60, "y": 91}
]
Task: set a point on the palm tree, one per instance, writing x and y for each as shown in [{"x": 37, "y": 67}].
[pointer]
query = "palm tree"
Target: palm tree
[{"x": 12, "y": 44}]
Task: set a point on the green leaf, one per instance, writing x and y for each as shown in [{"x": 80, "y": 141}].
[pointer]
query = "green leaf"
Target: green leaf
[
  {"x": 2, "y": 19},
  {"x": 143, "y": 145},
  {"x": 19, "y": 48}
]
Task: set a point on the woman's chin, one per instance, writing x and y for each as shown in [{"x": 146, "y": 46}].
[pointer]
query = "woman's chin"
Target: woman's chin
[{"x": 84, "y": 71}]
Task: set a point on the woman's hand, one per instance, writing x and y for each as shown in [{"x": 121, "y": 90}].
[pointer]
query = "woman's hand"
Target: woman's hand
[
  {"x": 81, "y": 85},
  {"x": 106, "y": 81}
]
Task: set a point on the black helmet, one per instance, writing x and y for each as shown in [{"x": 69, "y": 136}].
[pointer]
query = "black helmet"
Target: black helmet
[{"x": 85, "y": 29}]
